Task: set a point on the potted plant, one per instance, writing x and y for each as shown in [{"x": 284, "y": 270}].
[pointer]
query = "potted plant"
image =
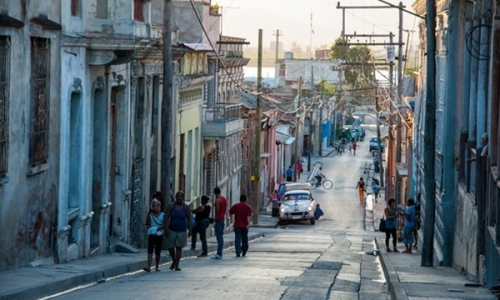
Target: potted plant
[{"x": 214, "y": 9}]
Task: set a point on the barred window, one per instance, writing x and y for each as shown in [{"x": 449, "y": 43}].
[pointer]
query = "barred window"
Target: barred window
[
  {"x": 4, "y": 86},
  {"x": 40, "y": 91}
]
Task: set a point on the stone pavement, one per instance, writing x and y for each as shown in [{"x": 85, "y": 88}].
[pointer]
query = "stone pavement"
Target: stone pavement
[{"x": 406, "y": 279}]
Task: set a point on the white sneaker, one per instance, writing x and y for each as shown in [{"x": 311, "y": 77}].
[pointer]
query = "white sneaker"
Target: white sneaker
[{"x": 216, "y": 256}]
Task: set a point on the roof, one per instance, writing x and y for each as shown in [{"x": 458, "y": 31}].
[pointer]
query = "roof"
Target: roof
[{"x": 196, "y": 46}]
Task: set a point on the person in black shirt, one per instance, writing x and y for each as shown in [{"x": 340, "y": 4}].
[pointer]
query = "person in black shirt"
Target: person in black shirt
[{"x": 202, "y": 219}]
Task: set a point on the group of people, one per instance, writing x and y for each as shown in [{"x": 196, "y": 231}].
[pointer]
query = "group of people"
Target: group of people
[
  {"x": 177, "y": 224},
  {"x": 411, "y": 217},
  {"x": 289, "y": 172}
]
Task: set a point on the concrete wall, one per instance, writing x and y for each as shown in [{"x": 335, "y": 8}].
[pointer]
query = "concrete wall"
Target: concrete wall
[
  {"x": 465, "y": 235},
  {"x": 28, "y": 194}
]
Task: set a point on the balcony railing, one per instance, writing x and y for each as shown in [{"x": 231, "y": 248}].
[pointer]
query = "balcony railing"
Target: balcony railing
[{"x": 221, "y": 112}]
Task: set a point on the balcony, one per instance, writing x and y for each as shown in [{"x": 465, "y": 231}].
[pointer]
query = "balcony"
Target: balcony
[{"x": 221, "y": 120}]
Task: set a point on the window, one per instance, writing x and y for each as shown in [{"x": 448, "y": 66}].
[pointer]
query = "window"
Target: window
[
  {"x": 75, "y": 4},
  {"x": 138, "y": 10},
  {"x": 40, "y": 91},
  {"x": 4, "y": 85}
]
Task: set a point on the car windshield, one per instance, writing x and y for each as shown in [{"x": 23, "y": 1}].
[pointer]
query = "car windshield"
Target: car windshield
[
  {"x": 297, "y": 197},
  {"x": 373, "y": 140}
]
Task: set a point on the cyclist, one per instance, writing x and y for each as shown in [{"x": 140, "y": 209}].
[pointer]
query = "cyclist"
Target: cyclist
[{"x": 318, "y": 176}]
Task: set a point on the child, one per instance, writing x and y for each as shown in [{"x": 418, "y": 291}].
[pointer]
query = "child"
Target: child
[{"x": 318, "y": 213}]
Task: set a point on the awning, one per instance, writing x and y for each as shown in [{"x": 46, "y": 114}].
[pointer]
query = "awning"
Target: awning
[
  {"x": 402, "y": 170},
  {"x": 196, "y": 46},
  {"x": 284, "y": 138}
]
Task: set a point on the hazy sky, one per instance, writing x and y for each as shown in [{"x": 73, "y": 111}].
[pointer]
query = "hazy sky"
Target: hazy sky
[{"x": 243, "y": 18}]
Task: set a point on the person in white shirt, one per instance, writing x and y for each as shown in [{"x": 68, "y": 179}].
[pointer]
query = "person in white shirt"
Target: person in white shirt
[{"x": 318, "y": 176}]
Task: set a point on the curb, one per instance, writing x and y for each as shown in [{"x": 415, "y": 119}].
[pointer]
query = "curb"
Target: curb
[
  {"x": 396, "y": 289},
  {"x": 100, "y": 275}
]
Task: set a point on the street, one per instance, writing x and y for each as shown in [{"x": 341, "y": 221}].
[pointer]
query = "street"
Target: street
[{"x": 293, "y": 261}]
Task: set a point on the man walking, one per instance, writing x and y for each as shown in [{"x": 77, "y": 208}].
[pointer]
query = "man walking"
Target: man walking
[
  {"x": 289, "y": 174},
  {"x": 220, "y": 215},
  {"x": 242, "y": 213}
]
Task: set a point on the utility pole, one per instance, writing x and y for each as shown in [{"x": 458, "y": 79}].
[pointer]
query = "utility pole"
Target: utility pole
[
  {"x": 166, "y": 104},
  {"x": 379, "y": 141},
  {"x": 256, "y": 168},
  {"x": 400, "y": 83},
  {"x": 429, "y": 196},
  {"x": 276, "y": 68},
  {"x": 390, "y": 146},
  {"x": 297, "y": 132},
  {"x": 320, "y": 129}
]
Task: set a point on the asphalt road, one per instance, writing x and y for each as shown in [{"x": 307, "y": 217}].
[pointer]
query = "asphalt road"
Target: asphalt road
[{"x": 296, "y": 261}]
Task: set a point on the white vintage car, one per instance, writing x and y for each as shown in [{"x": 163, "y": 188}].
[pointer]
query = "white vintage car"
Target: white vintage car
[{"x": 297, "y": 205}]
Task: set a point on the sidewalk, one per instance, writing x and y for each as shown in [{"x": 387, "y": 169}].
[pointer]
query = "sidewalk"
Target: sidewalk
[{"x": 406, "y": 279}]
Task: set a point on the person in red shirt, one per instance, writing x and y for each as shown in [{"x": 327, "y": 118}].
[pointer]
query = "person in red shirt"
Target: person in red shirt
[
  {"x": 242, "y": 213},
  {"x": 220, "y": 216}
]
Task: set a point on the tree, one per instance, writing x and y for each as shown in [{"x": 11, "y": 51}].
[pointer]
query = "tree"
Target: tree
[{"x": 358, "y": 70}]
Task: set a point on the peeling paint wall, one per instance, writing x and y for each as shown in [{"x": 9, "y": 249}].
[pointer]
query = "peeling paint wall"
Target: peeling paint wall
[{"x": 28, "y": 201}]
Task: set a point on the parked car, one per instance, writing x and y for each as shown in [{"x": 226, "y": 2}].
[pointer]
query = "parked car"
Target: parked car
[
  {"x": 285, "y": 187},
  {"x": 374, "y": 144},
  {"x": 297, "y": 205}
]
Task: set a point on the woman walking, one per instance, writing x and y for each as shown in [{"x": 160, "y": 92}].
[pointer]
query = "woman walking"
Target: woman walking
[
  {"x": 178, "y": 221},
  {"x": 155, "y": 223},
  {"x": 361, "y": 190},
  {"x": 390, "y": 213}
]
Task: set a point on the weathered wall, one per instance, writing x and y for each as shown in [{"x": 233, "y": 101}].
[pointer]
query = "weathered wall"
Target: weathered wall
[
  {"x": 465, "y": 238},
  {"x": 28, "y": 202}
]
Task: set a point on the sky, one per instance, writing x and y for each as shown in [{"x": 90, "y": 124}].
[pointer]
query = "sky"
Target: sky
[{"x": 244, "y": 18}]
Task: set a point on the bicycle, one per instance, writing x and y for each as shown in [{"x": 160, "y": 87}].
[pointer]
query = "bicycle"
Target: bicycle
[{"x": 325, "y": 183}]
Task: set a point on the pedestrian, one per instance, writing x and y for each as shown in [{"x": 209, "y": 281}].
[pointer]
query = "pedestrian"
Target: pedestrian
[
  {"x": 156, "y": 196},
  {"x": 155, "y": 221},
  {"x": 417, "y": 220},
  {"x": 350, "y": 149},
  {"x": 202, "y": 218},
  {"x": 318, "y": 212},
  {"x": 354, "y": 146},
  {"x": 409, "y": 225},
  {"x": 299, "y": 168},
  {"x": 289, "y": 174},
  {"x": 375, "y": 189},
  {"x": 361, "y": 190},
  {"x": 178, "y": 218},
  {"x": 242, "y": 213},
  {"x": 220, "y": 216},
  {"x": 391, "y": 217}
]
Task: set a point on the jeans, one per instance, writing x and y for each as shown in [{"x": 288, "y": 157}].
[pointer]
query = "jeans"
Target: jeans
[
  {"x": 201, "y": 228},
  {"x": 241, "y": 240},
  {"x": 219, "y": 234}
]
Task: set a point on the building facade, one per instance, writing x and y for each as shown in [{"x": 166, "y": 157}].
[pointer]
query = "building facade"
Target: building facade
[{"x": 467, "y": 215}]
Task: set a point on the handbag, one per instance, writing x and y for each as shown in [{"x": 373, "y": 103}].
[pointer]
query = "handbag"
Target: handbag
[{"x": 382, "y": 225}]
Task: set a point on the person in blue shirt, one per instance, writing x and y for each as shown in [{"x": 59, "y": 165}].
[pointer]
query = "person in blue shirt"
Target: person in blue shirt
[
  {"x": 289, "y": 174},
  {"x": 318, "y": 213},
  {"x": 409, "y": 225}
]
